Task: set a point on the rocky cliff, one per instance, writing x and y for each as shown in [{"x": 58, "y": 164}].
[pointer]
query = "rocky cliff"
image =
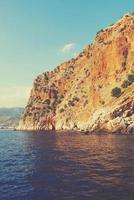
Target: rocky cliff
[{"x": 94, "y": 91}]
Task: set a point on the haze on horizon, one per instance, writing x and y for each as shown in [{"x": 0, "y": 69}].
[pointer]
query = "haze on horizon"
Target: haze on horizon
[{"x": 36, "y": 36}]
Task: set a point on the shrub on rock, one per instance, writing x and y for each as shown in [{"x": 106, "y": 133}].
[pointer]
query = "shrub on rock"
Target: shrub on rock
[
  {"x": 131, "y": 78},
  {"x": 116, "y": 92},
  {"x": 125, "y": 83}
]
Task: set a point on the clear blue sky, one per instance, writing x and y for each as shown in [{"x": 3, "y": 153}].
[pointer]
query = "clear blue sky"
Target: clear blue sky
[{"x": 37, "y": 35}]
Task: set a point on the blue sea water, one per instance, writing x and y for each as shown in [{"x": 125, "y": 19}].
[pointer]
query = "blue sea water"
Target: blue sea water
[{"x": 70, "y": 166}]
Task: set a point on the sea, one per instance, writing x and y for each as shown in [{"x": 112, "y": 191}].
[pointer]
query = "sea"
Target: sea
[{"x": 66, "y": 166}]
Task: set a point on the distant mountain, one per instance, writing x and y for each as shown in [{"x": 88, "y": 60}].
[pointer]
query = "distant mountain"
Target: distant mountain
[{"x": 9, "y": 117}]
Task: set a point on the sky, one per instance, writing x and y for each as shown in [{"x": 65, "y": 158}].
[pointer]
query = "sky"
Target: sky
[{"x": 38, "y": 35}]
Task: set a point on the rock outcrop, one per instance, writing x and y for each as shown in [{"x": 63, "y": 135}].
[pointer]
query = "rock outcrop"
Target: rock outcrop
[{"x": 78, "y": 94}]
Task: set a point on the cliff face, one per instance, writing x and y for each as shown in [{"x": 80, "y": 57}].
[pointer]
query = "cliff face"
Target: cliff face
[{"x": 77, "y": 94}]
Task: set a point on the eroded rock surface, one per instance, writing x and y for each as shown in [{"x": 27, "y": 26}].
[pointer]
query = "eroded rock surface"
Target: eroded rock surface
[{"x": 77, "y": 94}]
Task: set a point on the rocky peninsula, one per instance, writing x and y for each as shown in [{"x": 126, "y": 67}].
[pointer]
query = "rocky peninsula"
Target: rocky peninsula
[{"x": 92, "y": 92}]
